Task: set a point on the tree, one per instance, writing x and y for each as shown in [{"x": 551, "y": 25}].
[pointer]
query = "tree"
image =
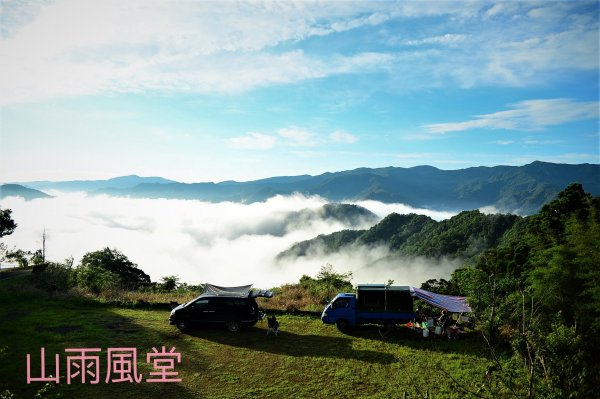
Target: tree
[
  {"x": 539, "y": 293},
  {"x": 109, "y": 268},
  {"x": 19, "y": 256},
  {"x": 440, "y": 286},
  {"x": 169, "y": 283},
  {"x": 7, "y": 224},
  {"x": 333, "y": 280}
]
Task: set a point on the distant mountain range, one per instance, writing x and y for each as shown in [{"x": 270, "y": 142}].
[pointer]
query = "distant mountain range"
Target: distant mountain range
[
  {"x": 123, "y": 182},
  {"x": 517, "y": 189},
  {"x": 16, "y": 190}
]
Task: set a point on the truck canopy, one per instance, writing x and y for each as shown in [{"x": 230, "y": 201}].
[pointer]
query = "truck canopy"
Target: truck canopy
[
  {"x": 454, "y": 304},
  {"x": 381, "y": 298}
]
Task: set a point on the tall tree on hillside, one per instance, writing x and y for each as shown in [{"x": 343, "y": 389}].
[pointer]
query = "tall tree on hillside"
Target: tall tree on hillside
[
  {"x": 7, "y": 224},
  {"x": 109, "y": 268}
]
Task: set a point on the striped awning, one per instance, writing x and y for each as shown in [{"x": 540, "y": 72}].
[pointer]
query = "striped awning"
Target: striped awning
[{"x": 455, "y": 304}]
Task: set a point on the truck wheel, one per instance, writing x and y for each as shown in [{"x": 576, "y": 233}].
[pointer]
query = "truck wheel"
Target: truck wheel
[
  {"x": 232, "y": 326},
  {"x": 342, "y": 325}
]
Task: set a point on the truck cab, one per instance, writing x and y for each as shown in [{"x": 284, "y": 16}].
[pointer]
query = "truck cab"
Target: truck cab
[{"x": 341, "y": 311}]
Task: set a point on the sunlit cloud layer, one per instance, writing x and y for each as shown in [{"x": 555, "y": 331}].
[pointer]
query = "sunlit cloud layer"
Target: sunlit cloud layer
[{"x": 222, "y": 243}]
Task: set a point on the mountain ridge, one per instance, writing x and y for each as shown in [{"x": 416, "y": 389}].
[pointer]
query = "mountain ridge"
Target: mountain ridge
[
  {"x": 17, "y": 190},
  {"x": 123, "y": 182},
  {"x": 464, "y": 236},
  {"x": 516, "y": 189}
]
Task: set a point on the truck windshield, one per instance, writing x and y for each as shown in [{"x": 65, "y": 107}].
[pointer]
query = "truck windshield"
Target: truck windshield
[{"x": 340, "y": 303}]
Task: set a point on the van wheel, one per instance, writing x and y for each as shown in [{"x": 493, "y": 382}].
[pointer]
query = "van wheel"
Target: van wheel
[
  {"x": 342, "y": 325},
  {"x": 183, "y": 325},
  {"x": 232, "y": 326}
]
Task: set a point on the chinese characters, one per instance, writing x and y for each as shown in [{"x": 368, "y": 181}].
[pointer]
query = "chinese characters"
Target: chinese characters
[{"x": 83, "y": 365}]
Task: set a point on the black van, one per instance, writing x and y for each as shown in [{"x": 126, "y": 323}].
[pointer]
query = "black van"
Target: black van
[{"x": 232, "y": 306}]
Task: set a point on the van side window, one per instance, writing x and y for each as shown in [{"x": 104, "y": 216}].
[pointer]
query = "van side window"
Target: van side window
[
  {"x": 201, "y": 303},
  {"x": 235, "y": 303},
  {"x": 341, "y": 303}
]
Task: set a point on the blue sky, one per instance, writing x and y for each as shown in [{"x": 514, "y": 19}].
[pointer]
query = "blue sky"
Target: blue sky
[{"x": 212, "y": 91}]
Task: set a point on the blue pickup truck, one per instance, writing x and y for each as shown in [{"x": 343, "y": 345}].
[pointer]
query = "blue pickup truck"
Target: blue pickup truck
[{"x": 372, "y": 304}]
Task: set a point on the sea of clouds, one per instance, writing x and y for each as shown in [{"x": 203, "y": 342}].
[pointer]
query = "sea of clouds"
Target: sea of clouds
[{"x": 221, "y": 243}]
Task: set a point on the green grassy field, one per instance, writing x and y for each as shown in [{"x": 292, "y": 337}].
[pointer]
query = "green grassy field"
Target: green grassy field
[{"x": 307, "y": 360}]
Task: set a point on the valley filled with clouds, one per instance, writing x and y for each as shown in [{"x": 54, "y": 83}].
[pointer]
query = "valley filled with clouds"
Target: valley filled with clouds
[{"x": 222, "y": 243}]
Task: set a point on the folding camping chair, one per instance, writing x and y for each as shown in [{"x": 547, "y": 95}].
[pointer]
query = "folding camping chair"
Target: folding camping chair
[{"x": 272, "y": 325}]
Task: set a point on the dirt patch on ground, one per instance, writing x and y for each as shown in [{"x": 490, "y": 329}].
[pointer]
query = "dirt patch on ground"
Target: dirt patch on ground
[
  {"x": 121, "y": 326},
  {"x": 59, "y": 329}
]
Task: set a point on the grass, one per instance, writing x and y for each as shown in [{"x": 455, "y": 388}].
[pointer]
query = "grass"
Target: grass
[{"x": 307, "y": 360}]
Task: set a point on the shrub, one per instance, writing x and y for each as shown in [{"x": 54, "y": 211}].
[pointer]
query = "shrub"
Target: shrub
[{"x": 54, "y": 277}]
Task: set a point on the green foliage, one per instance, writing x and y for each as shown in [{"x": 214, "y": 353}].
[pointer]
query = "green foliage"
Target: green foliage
[
  {"x": 169, "y": 283},
  {"x": 564, "y": 359},
  {"x": 312, "y": 292},
  {"x": 333, "y": 280},
  {"x": 37, "y": 258},
  {"x": 25, "y": 258},
  {"x": 19, "y": 256},
  {"x": 539, "y": 292},
  {"x": 307, "y": 359},
  {"x": 7, "y": 227},
  {"x": 109, "y": 268},
  {"x": 7, "y": 224},
  {"x": 440, "y": 286},
  {"x": 55, "y": 277},
  {"x": 395, "y": 230},
  {"x": 97, "y": 279},
  {"x": 328, "y": 242},
  {"x": 465, "y": 235}
]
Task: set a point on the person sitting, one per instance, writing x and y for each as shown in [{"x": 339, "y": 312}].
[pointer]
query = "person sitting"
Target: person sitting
[
  {"x": 273, "y": 325},
  {"x": 453, "y": 331},
  {"x": 420, "y": 316},
  {"x": 444, "y": 319}
]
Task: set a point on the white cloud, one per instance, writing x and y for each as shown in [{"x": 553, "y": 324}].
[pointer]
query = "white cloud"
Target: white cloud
[
  {"x": 447, "y": 39},
  {"x": 525, "y": 116},
  {"x": 75, "y": 47},
  {"x": 84, "y": 47},
  {"x": 290, "y": 136},
  {"x": 298, "y": 137},
  {"x": 343, "y": 137},
  {"x": 542, "y": 142},
  {"x": 254, "y": 141},
  {"x": 381, "y": 209},
  {"x": 223, "y": 243}
]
